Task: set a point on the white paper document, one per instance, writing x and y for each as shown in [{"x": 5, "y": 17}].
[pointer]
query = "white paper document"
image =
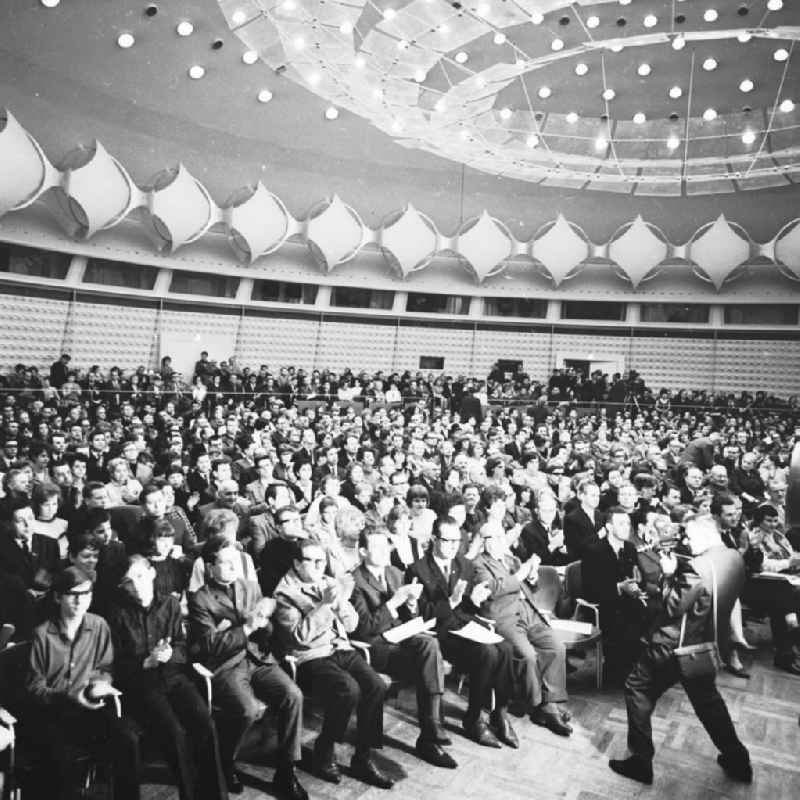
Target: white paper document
[
  {"x": 571, "y": 625},
  {"x": 477, "y": 633},
  {"x": 408, "y": 629}
]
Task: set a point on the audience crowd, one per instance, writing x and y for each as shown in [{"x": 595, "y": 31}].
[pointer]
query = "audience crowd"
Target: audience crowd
[{"x": 288, "y": 534}]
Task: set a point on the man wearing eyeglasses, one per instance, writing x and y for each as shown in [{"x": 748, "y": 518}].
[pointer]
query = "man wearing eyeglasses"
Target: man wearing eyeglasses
[
  {"x": 314, "y": 620},
  {"x": 444, "y": 576}
]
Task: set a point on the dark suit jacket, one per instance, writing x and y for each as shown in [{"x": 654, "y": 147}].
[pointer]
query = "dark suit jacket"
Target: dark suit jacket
[
  {"x": 435, "y": 598},
  {"x": 601, "y": 570},
  {"x": 533, "y": 540},
  {"x": 369, "y": 601},
  {"x": 580, "y": 531},
  {"x": 37, "y": 568},
  {"x": 216, "y": 633}
]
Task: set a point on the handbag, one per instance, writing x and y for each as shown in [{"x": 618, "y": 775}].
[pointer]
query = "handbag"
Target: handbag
[{"x": 701, "y": 660}]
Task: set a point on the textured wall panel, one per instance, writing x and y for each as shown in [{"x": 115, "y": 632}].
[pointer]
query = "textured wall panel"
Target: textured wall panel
[
  {"x": 756, "y": 364},
  {"x": 31, "y": 330},
  {"x": 673, "y": 363},
  {"x": 360, "y": 346},
  {"x": 532, "y": 347},
  {"x": 453, "y": 344},
  {"x": 277, "y": 342},
  {"x": 100, "y": 333}
]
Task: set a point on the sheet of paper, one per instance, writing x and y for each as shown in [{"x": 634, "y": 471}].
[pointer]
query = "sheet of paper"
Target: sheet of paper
[
  {"x": 408, "y": 629},
  {"x": 477, "y": 633},
  {"x": 571, "y": 625}
]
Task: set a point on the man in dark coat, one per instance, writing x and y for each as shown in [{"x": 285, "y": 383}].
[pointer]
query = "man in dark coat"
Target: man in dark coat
[{"x": 582, "y": 524}]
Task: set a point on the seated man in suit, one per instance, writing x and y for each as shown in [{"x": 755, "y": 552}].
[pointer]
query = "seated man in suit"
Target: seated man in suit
[
  {"x": 543, "y": 535},
  {"x": 609, "y": 570},
  {"x": 230, "y": 633},
  {"x": 518, "y": 621},
  {"x": 582, "y": 525},
  {"x": 314, "y": 619},
  {"x": 444, "y": 577},
  {"x": 382, "y": 601}
]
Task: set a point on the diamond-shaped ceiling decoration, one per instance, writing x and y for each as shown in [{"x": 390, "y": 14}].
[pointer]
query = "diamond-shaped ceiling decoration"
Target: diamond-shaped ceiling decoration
[
  {"x": 409, "y": 242},
  {"x": 257, "y": 225},
  {"x": 560, "y": 249},
  {"x": 787, "y": 248},
  {"x": 638, "y": 251},
  {"x": 23, "y": 165},
  {"x": 335, "y": 234},
  {"x": 718, "y": 251},
  {"x": 485, "y": 243}
]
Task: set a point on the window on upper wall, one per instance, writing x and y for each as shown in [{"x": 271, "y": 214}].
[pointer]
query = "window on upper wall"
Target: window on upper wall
[
  {"x": 117, "y": 273},
  {"x": 761, "y": 314},
  {"x": 204, "y": 284},
  {"x": 282, "y": 292},
  {"x": 354, "y": 297},
  {"x": 34, "y": 263},
  {"x": 581, "y": 309},
  {"x": 674, "y": 312},
  {"x": 421, "y": 303},
  {"x": 514, "y": 307}
]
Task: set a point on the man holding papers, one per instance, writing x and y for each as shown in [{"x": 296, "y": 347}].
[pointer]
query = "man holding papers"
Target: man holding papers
[
  {"x": 510, "y": 602},
  {"x": 383, "y": 602},
  {"x": 444, "y": 577}
]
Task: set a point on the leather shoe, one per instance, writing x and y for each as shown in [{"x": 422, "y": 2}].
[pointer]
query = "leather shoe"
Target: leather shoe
[
  {"x": 439, "y": 735},
  {"x": 737, "y": 768},
  {"x": 363, "y": 769},
  {"x": 479, "y": 732},
  {"x": 552, "y": 722},
  {"x": 234, "y": 782},
  {"x": 739, "y": 672},
  {"x": 634, "y": 768},
  {"x": 503, "y": 730},
  {"x": 788, "y": 663},
  {"x": 287, "y": 786},
  {"x": 431, "y": 752}
]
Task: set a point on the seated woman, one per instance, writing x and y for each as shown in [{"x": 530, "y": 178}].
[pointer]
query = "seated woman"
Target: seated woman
[
  {"x": 122, "y": 489},
  {"x": 45, "y": 500},
  {"x": 405, "y": 549},
  {"x": 172, "y": 568}
]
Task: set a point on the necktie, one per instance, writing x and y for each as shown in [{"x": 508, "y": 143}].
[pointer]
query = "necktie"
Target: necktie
[
  {"x": 382, "y": 581},
  {"x": 446, "y": 571}
]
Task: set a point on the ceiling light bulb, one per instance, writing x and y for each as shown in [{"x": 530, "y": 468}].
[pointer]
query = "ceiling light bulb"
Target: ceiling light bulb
[
  {"x": 420, "y": 75},
  {"x": 238, "y": 17},
  {"x": 774, "y": 5},
  {"x": 781, "y": 54},
  {"x": 624, "y": 2},
  {"x": 481, "y": 81},
  {"x": 461, "y": 57},
  {"x": 744, "y": 36},
  {"x": 331, "y": 112},
  {"x": 710, "y": 64},
  {"x": 250, "y": 56},
  {"x": 675, "y": 92},
  {"x": 639, "y": 118},
  {"x": 537, "y": 18},
  {"x": 572, "y": 117},
  {"x": 464, "y": 134},
  {"x": 650, "y": 21},
  {"x": 786, "y": 106},
  {"x": 50, "y": 3},
  {"x": 359, "y": 62},
  {"x": 314, "y": 78},
  {"x": 499, "y": 38},
  {"x": 710, "y": 15},
  {"x": 609, "y": 94},
  {"x": 545, "y": 92},
  {"x": 389, "y": 13},
  {"x": 299, "y": 42},
  {"x": 397, "y": 125},
  {"x": 402, "y": 44},
  {"x": 748, "y": 137},
  {"x": 678, "y": 43},
  {"x": 289, "y": 5},
  {"x": 644, "y": 70},
  {"x": 125, "y": 40},
  {"x": 600, "y": 143},
  {"x": 557, "y": 44},
  {"x": 592, "y": 22},
  {"x": 377, "y": 93},
  {"x": 673, "y": 142},
  {"x": 505, "y": 113},
  {"x": 483, "y": 9},
  {"x": 746, "y": 85},
  {"x": 532, "y": 140},
  {"x": 444, "y": 29},
  {"x": 710, "y": 114},
  {"x": 617, "y": 47},
  {"x": 346, "y": 28},
  {"x": 264, "y": 96},
  {"x": 185, "y": 28},
  {"x": 520, "y": 62},
  {"x": 581, "y": 69},
  {"x": 196, "y": 72},
  {"x": 440, "y": 106}
]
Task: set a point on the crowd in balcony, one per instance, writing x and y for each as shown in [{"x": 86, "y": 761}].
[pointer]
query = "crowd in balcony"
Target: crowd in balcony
[{"x": 268, "y": 530}]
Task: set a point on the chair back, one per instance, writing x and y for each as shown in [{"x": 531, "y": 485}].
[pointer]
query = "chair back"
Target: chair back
[
  {"x": 573, "y": 580},
  {"x": 548, "y": 590},
  {"x": 13, "y": 671}
]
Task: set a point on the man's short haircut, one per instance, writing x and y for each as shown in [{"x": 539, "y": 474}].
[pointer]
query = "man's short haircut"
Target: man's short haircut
[
  {"x": 363, "y": 537},
  {"x": 764, "y": 510},
  {"x": 584, "y": 484},
  {"x": 290, "y": 508},
  {"x": 85, "y": 540},
  {"x": 444, "y": 519},
  {"x": 491, "y": 494},
  {"x": 212, "y": 547},
  {"x": 217, "y": 521},
  {"x": 720, "y": 500},
  {"x": 271, "y": 492},
  {"x": 92, "y": 486},
  {"x": 614, "y": 510},
  {"x": 95, "y": 517}
]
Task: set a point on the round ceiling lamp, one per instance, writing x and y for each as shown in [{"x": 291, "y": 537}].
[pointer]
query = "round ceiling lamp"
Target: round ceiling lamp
[
  {"x": 673, "y": 142},
  {"x": 639, "y": 118},
  {"x": 644, "y": 70},
  {"x": 359, "y": 62},
  {"x": 505, "y": 113},
  {"x": 185, "y": 28},
  {"x": 420, "y": 75},
  {"x": 461, "y": 57},
  {"x": 744, "y": 36},
  {"x": 774, "y": 5},
  {"x": 346, "y": 28},
  {"x": 710, "y": 114},
  {"x": 600, "y": 143},
  {"x": 781, "y": 54},
  {"x": 710, "y": 15},
  {"x": 196, "y": 72},
  {"x": 581, "y": 69},
  {"x": 537, "y": 18},
  {"x": 545, "y": 92},
  {"x": 609, "y": 94},
  {"x": 786, "y": 106},
  {"x": 675, "y": 92},
  {"x": 126, "y": 40},
  {"x": 650, "y": 21},
  {"x": 748, "y": 137},
  {"x": 572, "y": 117},
  {"x": 440, "y": 106},
  {"x": 557, "y": 44},
  {"x": 389, "y": 13},
  {"x": 264, "y": 96},
  {"x": 678, "y": 43},
  {"x": 710, "y": 64},
  {"x": 532, "y": 140},
  {"x": 249, "y": 57},
  {"x": 331, "y": 113},
  {"x": 50, "y": 3},
  {"x": 238, "y": 17},
  {"x": 746, "y": 85},
  {"x": 499, "y": 38},
  {"x": 592, "y": 22}
]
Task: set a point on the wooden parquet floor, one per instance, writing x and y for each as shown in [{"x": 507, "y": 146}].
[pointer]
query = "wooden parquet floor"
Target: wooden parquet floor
[{"x": 764, "y": 709}]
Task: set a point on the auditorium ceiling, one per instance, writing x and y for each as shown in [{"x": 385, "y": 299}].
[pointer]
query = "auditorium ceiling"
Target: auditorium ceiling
[{"x": 526, "y": 109}]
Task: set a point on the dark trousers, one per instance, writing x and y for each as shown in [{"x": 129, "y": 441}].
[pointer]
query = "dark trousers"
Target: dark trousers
[
  {"x": 176, "y": 717},
  {"x": 489, "y": 666},
  {"x": 776, "y": 598},
  {"x": 237, "y": 692},
  {"x": 650, "y": 677},
  {"x": 59, "y": 734},
  {"x": 622, "y": 640},
  {"x": 417, "y": 660},
  {"x": 344, "y": 682}
]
